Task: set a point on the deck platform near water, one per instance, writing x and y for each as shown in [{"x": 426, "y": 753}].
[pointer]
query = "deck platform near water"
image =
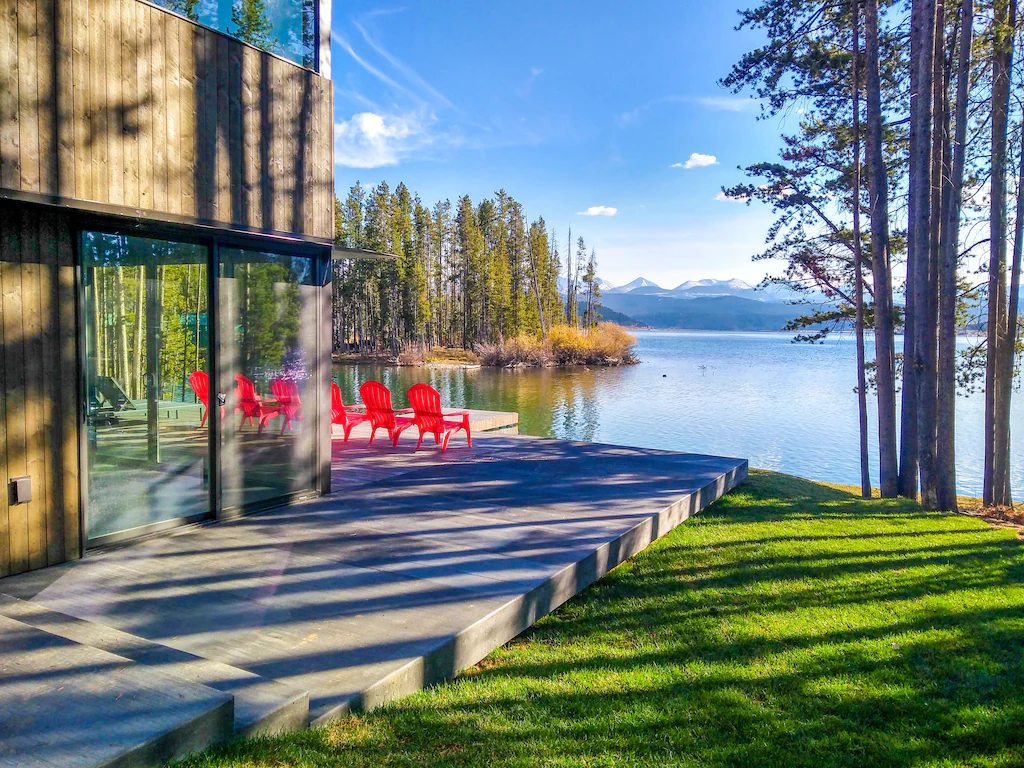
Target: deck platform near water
[{"x": 417, "y": 566}]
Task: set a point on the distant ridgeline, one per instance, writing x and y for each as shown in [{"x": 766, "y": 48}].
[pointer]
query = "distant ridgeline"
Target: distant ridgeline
[{"x": 707, "y": 305}]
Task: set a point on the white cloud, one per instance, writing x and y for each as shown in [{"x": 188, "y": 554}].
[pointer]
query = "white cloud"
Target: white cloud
[
  {"x": 723, "y": 103},
  {"x": 525, "y": 89},
  {"x": 724, "y": 198},
  {"x": 697, "y": 160},
  {"x": 728, "y": 103},
  {"x": 372, "y": 140},
  {"x": 599, "y": 210}
]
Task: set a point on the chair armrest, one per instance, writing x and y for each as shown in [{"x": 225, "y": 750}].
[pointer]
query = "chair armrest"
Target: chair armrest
[
  {"x": 405, "y": 410},
  {"x": 455, "y": 413}
]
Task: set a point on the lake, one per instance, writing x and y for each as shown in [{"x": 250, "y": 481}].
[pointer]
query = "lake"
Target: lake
[{"x": 784, "y": 406}]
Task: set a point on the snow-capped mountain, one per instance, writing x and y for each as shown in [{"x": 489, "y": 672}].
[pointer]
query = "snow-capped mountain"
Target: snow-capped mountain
[
  {"x": 733, "y": 284},
  {"x": 602, "y": 285},
  {"x": 706, "y": 304},
  {"x": 640, "y": 282},
  {"x": 693, "y": 289}
]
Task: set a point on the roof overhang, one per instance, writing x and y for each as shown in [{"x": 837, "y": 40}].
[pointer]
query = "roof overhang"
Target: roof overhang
[{"x": 337, "y": 253}]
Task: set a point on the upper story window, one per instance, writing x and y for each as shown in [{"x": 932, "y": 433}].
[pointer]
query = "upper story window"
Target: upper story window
[{"x": 284, "y": 27}]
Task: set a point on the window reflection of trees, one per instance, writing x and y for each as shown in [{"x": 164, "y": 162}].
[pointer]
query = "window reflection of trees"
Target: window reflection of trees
[
  {"x": 118, "y": 296},
  {"x": 285, "y": 27},
  {"x": 269, "y": 315}
]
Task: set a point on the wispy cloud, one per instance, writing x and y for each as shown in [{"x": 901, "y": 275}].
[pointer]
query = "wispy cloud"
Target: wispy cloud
[
  {"x": 634, "y": 115},
  {"x": 724, "y": 198},
  {"x": 408, "y": 126},
  {"x": 344, "y": 45},
  {"x": 728, "y": 103},
  {"x": 696, "y": 160},
  {"x": 722, "y": 103},
  {"x": 401, "y": 116},
  {"x": 599, "y": 210},
  {"x": 411, "y": 75},
  {"x": 523, "y": 90},
  {"x": 372, "y": 140}
]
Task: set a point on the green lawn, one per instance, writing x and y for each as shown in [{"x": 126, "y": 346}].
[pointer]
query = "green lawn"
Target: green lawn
[{"x": 791, "y": 624}]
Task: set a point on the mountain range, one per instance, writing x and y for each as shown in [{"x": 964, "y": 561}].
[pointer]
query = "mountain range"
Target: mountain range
[{"x": 721, "y": 305}]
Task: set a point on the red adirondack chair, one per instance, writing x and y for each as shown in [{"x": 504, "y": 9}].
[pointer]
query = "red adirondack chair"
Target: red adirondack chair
[
  {"x": 347, "y": 416},
  {"x": 377, "y": 399},
  {"x": 426, "y": 405},
  {"x": 286, "y": 392},
  {"x": 251, "y": 405},
  {"x": 200, "y": 383}
]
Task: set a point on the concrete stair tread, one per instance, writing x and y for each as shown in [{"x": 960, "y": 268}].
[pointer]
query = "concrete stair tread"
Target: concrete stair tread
[
  {"x": 261, "y": 706},
  {"x": 71, "y": 705}
]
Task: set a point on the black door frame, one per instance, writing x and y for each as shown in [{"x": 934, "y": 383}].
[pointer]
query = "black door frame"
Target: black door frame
[{"x": 213, "y": 241}]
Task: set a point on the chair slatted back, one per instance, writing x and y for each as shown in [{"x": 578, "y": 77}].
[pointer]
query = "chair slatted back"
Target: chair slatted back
[
  {"x": 286, "y": 392},
  {"x": 200, "y": 383},
  {"x": 248, "y": 401},
  {"x": 338, "y": 413},
  {"x": 426, "y": 405},
  {"x": 377, "y": 399}
]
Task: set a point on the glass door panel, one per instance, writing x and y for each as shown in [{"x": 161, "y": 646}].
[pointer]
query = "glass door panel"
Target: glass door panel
[
  {"x": 268, "y": 309},
  {"x": 147, "y": 436}
]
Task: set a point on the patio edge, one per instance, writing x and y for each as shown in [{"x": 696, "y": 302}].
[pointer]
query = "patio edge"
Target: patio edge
[{"x": 472, "y": 644}]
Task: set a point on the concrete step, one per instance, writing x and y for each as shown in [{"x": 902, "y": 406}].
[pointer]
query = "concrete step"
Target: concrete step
[
  {"x": 261, "y": 706},
  {"x": 71, "y": 705}
]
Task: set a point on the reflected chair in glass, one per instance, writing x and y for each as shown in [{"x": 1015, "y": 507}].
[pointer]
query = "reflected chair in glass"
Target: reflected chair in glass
[
  {"x": 377, "y": 399},
  {"x": 429, "y": 418},
  {"x": 200, "y": 383},
  {"x": 286, "y": 392},
  {"x": 251, "y": 405}
]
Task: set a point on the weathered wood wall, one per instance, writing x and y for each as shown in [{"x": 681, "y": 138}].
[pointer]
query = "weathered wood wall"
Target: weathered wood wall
[
  {"x": 125, "y": 104},
  {"x": 38, "y": 388}
]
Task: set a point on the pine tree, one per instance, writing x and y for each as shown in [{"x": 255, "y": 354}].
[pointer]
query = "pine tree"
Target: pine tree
[
  {"x": 252, "y": 25},
  {"x": 590, "y": 280}
]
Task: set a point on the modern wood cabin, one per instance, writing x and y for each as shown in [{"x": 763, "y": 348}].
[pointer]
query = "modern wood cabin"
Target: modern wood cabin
[{"x": 166, "y": 210}]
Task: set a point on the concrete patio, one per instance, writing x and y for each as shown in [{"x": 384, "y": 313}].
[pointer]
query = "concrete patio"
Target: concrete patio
[{"x": 416, "y": 567}]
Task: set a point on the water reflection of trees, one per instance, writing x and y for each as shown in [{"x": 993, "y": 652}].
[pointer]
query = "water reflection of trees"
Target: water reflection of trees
[{"x": 550, "y": 402}]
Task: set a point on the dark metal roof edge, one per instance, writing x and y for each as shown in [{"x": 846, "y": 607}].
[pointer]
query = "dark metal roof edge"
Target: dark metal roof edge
[{"x": 339, "y": 252}]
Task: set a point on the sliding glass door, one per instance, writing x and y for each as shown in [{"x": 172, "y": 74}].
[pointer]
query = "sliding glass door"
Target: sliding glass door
[
  {"x": 200, "y": 395},
  {"x": 144, "y": 322},
  {"x": 268, "y": 309}
]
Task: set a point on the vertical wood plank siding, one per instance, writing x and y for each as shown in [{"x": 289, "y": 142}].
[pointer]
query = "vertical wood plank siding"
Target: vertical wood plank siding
[
  {"x": 124, "y": 104},
  {"x": 38, "y": 387}
]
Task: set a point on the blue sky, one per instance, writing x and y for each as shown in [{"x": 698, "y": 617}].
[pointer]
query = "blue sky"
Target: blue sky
[{"x": 571, "y": 107}]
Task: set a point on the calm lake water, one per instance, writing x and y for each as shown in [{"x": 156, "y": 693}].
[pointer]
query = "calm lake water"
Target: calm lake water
[{"x": 784, "y": 406}]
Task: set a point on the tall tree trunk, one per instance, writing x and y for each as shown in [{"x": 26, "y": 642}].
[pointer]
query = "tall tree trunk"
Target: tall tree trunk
[
  {"x": 568, "y": 280},
  {"x": 1010, "y": 348},
  {"x": 98, "y": 318},
  {"x": 200, "y": 362},
  {"x": 952, "y": 200},
  {"x": 885, "y": 373},
  {"x": 121, "y": 365},
  {"x": 997, "y": 387},
  {"x": 536, "y": 290},
  {"x": 928, "y": 326},
  {"x": 858, "y": 261},
  {"x": 916, "y": 369},
  {"x": 138, "y": 341}
]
